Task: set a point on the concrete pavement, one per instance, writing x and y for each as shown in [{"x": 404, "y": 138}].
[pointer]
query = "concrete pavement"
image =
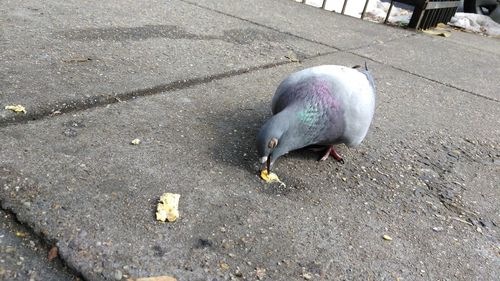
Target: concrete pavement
[
  {"x": 193, "y": 82},
  {"x": 68, "y": 54},
  {"x": 23, "y": 254}
]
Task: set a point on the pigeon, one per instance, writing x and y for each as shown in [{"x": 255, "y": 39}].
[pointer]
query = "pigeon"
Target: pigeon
[{"x": 319, "y": 106}]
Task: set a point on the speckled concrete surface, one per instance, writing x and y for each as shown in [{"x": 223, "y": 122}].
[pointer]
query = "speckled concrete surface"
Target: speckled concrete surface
[
  {"x": 426, "y": 175},
  {"x": 23, "y": 256}
]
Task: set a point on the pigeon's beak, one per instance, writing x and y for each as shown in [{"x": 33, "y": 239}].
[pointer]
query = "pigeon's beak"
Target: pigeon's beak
[
  {"x": 263, "y": 159},
  {"x": 266, "y": 160}
]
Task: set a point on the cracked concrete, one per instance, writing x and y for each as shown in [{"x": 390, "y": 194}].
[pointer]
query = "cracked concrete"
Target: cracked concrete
[
  {"x": 24, "y": 256},
  {"x": 426, "y": 175},
  {"x": 68, "y": 54}
]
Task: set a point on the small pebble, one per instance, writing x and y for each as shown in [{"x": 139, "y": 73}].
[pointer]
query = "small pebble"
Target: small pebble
[
  {"x": 260, "y": 273},
  {"x": 118, "y": 275},
  {"x": 224, "y": 266},
  {"x": 437, "y": 229},
  {"x": 238, "y": 273},
  {"x": 307, "y": 276}
]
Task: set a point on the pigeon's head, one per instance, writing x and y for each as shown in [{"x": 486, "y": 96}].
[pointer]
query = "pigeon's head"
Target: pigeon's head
[{"x": 272, "y": 141}]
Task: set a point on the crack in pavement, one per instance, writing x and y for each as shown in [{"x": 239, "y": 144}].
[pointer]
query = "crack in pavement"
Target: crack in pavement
[
  {"x": 425, "y": 77},
  {"x": 44, "y": 241},
  {"x": 261, "y": 25},
  {"x": 103, "y": 100},
  {"x": 349, "y": 50}
]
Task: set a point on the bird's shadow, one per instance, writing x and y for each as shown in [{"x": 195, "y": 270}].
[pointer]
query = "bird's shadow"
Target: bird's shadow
[
  {"x": 235, "y": 141},
  {"x": 235, "y": 133}
]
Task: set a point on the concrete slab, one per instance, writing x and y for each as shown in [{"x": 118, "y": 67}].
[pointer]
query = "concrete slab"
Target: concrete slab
[
  {"x": 332, "y": 29},
  {"x": 475, "y": 41},
  {"x": 77, "y": 179},
  {"x": 60, "y": 55},
  {"x": 441, "y": 59},
  {"x": 382, "y": 43},
  {"x": 23, "y": 255}
]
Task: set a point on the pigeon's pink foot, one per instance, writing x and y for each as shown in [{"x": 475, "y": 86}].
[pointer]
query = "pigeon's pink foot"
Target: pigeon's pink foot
[{"x": 331, "y": 151}]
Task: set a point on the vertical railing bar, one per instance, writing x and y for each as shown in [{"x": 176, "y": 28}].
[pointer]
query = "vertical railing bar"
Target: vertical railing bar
[
  {"x": 432, "y": 20},
  {"x": 425, "y": 23},
  {"x": 424, "y": 17},
  {"x": 441, "y": 14},
  {"x": 435, "y": 16},
  {"x": 388, "y": 12},
  {"x": 364, "y": 9},
  {"x": 343, "y": 7},
  {"x": 451, "y": 13},
  {"x": 423, "y": 20},
  {"x": 430, "y": 16},
  {"x": 445, "y": 15},
  {"x": 427, "y": 18},
  {"x": 323, "y": 5}
]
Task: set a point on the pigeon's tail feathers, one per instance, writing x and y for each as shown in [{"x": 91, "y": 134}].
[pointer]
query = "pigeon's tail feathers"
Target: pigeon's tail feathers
[
  {"x": 358, "y": 66},
  {"x": 367, "y": 73}
]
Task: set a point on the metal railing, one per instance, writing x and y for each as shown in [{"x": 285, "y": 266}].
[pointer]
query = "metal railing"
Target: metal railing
[
  {"x": 426, "y": 13},
  {"x": 323, "y": 5}
]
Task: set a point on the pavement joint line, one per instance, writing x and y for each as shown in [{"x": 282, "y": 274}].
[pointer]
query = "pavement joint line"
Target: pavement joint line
[
  {"x": 426, "y": 78},
  {"x": 448, "y": 85},
  {"x": 261, "y": 25},
  {"x": 97, "y": 101},
  {"x": 103, "y": 100},
  {"x": 43, "y": 239},
  {"x": 350, "y": 50},
  {"x": 295, "y": 35}
]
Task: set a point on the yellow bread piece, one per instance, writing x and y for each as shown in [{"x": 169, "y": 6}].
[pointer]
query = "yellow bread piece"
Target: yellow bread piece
[
  {"x": 167, "y": 208},
  {"x": 270, "y": 177},
  {"x": 16, "y": 108}
]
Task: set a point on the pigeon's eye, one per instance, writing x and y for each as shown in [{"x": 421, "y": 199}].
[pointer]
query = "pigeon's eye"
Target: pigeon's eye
[{"x": 272, "y": 143}]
